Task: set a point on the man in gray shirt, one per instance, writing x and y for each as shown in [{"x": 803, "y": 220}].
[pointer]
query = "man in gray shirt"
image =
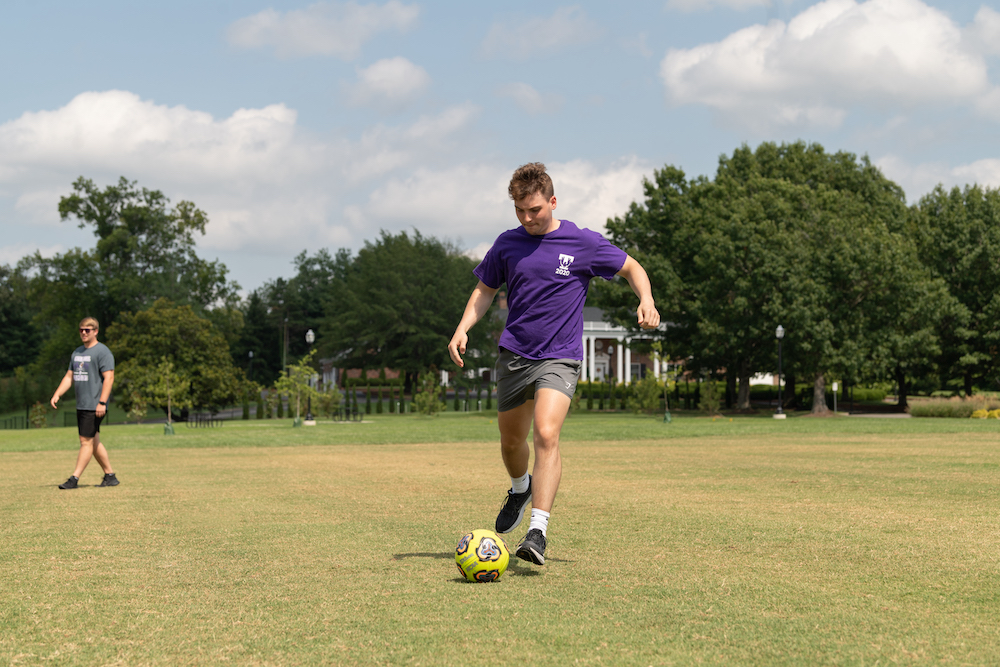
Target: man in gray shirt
[{"x": 92, "y": 373}]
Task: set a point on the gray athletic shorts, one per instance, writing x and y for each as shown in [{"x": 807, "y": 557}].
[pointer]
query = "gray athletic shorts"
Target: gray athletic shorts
[{"x": 518, "y": 378}]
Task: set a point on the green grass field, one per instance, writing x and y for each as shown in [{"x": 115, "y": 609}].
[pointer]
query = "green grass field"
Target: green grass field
[{"x": 838, "y": 541}]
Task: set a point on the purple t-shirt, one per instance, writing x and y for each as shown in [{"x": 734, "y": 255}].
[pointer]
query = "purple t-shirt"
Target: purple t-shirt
[{"x": 547, "y": 278}]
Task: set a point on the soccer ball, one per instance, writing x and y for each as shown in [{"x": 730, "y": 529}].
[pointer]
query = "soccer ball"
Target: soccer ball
[{"x": 482, "y": 556}]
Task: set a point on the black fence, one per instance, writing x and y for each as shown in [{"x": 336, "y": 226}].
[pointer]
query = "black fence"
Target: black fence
[
  {"x": 13, "y": 423},
  {"x": 203, "y": 421}
]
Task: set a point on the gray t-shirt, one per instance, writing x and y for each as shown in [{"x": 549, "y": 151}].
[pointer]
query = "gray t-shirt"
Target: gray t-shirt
[{"x": 88, "y": 365}]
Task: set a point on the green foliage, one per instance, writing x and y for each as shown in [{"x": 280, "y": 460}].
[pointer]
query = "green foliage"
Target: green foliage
[
  {"x": 958, "y": 235},
  {"x": 709, "y": 398},
  {"x": 646, "y": 395},
  {"x": 955, "y": 408},
  {"x": 139, "y": 407},
  {"x": 428, "y": 399},
  {"x": 163, "y": 385},
  {"x": 145, "y": 251},
  {"x": 21, "y": 339},
  {"x": 196, "y": 351},
  {"x": 329, "y": 401},
  {"x": 294, "y": 383},
  {"x": 395, "y": 304},
  {"x": 785, "y": 234},
  {"x": 38, "y": 417}
]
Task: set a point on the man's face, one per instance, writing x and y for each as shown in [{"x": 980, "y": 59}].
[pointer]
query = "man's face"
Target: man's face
[
  {"x": 88, "y": 332},
  {"x": 534, "y": 212}
]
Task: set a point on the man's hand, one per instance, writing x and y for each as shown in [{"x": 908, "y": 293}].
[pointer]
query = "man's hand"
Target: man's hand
[
  {"x": 649, "y": 317},
  {"x": 456, "y": 348},
  {"x": 101, "y": 410},
  {"x": 55, "y": 399}
]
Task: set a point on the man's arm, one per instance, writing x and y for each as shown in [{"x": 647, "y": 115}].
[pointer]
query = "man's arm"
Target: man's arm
[
  {"x": 632, "y": 271},
  {"x": 109, "y": 379},
  {"x": 63, "y": 387},
  {"x": 477, "y": 306}
]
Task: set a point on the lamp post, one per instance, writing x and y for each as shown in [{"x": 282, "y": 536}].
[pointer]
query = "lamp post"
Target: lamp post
[
  {"x": 779, "y": 333},
  {"x": 310, "y": 339}
]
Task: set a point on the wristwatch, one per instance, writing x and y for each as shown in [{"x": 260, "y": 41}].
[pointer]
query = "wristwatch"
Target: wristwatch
[{"x": 102, "y": 402}]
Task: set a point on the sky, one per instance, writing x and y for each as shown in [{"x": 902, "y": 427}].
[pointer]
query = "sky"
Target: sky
[{"x": 298, "y": 126}]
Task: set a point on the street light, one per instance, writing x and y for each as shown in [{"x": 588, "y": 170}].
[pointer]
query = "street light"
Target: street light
[
  {"x": 310, "y": 339},
  {"x": 779, "y": 333}
]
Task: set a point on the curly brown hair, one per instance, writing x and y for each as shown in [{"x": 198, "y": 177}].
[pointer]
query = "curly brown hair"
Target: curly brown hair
[{"x": 529, "y": 179}]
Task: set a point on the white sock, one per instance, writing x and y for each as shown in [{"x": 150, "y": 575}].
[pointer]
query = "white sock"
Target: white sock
[
  {"x": 519, "y": 484},
  {"x": 539, "y": 520}
]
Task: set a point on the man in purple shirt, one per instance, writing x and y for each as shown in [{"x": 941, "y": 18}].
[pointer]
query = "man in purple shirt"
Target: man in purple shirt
[{"x": 547, "y": 265}]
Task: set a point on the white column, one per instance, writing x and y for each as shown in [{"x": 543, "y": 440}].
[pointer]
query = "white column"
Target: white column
[
  {"x": 621, "y": 359},
  {"x": 628, "y": 362},
  {"x": 656, "y": 366},
  {"x": 590, "y": 358}
]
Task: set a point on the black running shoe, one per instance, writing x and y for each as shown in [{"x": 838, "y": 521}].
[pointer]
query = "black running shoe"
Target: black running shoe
[
  {"x": 69, "y": 483},
  {"x": 532, "y": 547},
  {"x": 109, "y": 480},
  {"x": 513, "y": 509}
]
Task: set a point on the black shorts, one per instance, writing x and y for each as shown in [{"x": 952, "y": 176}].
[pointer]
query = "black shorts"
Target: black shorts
[
  {"x": 88, "y": 423},
  {"x": 517, "y": 378}
]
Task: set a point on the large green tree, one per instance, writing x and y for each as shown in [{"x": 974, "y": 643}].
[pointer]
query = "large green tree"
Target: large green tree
[
  {"x": 20, "y": 343},
  {"x": 785, "y": 234},
  {"x": 145, "y": 251},
  {"x": 396, "y": 305},
  {"x": 958, "y": 234},
  {"x": 165, "y": 331}
]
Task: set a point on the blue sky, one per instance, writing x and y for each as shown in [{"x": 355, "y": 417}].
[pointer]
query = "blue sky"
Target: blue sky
[{"x": 303, "y": 125}]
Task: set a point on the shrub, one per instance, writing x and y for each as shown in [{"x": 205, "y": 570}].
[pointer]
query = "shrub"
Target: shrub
[
  {"x": 709, "y": 398},
  {"x": 956, "y": 408},
  {"x": 38, "y": 415},
  {"x": 645, "y": 395},
  {"x": 980, "y": 414},
  {"x": 428, "y": 399}
]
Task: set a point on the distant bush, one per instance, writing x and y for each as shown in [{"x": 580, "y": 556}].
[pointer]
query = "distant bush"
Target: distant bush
[{"x": 956, "y": 408}]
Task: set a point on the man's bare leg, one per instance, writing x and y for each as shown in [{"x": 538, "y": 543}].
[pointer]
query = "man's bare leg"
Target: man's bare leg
[
  {"x": 550, "y": 410},
  {"x": 83, "y": 456}
]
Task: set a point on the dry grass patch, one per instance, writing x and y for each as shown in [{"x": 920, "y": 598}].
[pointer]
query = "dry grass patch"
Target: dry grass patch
[{"x": 763, "y": 549}]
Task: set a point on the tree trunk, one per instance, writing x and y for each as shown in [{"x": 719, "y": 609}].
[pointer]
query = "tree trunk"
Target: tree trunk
[
  {"x": 901, "y": 381},
  {"x": 730, "y": 388},
  {"x": 968, "y": 383},
  {"x": 743, "y": 398},
  {"x": 819, "y": 396}
]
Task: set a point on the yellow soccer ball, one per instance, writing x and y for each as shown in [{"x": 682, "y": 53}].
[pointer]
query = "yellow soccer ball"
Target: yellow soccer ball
[{"x": 482, "y": 556}]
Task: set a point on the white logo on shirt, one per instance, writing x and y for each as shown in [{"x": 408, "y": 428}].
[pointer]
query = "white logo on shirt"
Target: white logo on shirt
[{"x": 564, "y": 262}]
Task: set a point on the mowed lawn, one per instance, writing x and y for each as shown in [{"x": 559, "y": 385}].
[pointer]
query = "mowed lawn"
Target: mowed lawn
[{"x": 839, "y": 541}]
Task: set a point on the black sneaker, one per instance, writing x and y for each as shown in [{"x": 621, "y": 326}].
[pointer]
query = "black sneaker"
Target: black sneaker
[
  {"x": 513, "y": 509},
  {"x": 109, "y": 480},
  {"x": 69, "y": 483},
  {"x": 532, "y": 547}
]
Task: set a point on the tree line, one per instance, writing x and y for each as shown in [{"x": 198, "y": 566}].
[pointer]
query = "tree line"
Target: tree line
[{"x": 867, "y": 287}]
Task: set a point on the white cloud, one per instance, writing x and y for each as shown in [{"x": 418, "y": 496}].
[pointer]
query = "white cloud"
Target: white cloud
[
  {"x": 705, "y": 5},
  {"x": 336, "y": 29},
  {"x": 12, "y": 254},
  {"x": 524, "y": 38},
  {"x": 530, "y": 100},
  {"x": 919, "y": 179},
  {"x": 469, "y": 201},
  {"x": 983, "y": 33},
  {"x": 266, "y": 185},
  {"x": 389, "y": 84},
  {"x": 835, "y": 55}
]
